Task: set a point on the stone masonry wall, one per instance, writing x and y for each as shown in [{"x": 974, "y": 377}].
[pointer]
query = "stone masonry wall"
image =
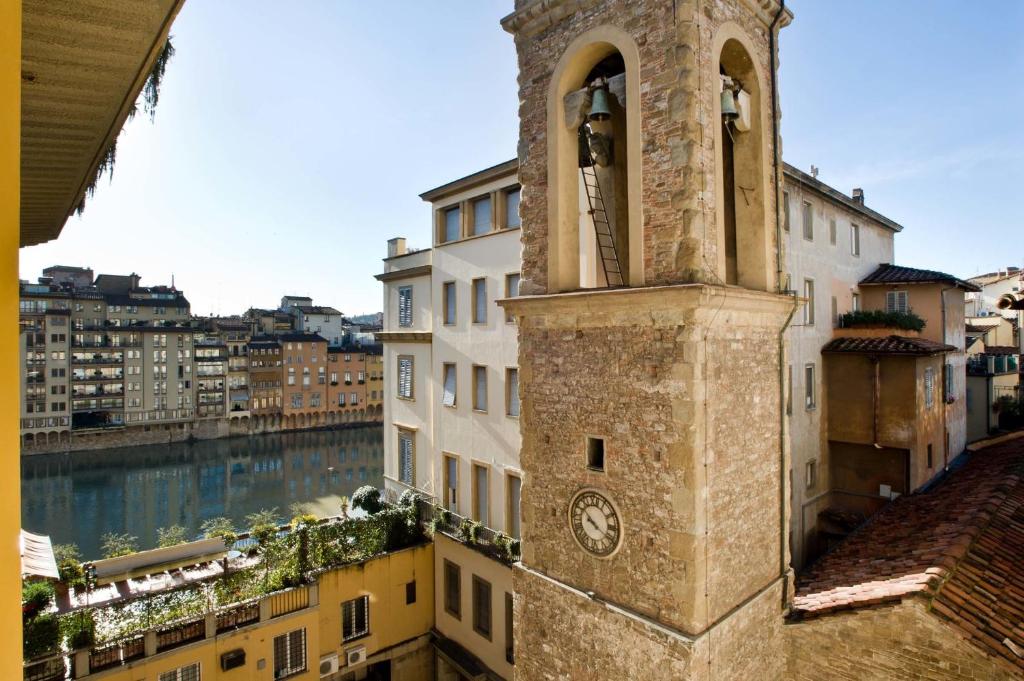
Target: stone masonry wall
[
  {"x": 678, "y": 85},
  {"x": 879, "y": 644}
]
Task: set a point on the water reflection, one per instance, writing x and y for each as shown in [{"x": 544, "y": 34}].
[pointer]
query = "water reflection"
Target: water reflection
[{"x": 78, "y": 497}]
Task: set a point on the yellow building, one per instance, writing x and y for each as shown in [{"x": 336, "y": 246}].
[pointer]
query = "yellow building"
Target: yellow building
[{"x": 64, "y": 96}]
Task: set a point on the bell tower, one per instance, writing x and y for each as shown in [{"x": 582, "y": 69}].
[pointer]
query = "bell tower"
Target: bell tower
[{"x": 651, "y": 320}]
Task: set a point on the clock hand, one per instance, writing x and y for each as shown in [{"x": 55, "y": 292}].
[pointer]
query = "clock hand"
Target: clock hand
[{"x": 591, "y": 521}]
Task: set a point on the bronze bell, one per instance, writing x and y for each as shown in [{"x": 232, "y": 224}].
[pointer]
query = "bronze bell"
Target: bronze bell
[
  {"x": 729, "y": 111},
  {"x": 599, "y": 110}
]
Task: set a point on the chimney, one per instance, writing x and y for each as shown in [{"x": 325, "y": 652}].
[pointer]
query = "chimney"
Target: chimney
[
  {"x": 396, "y": 246},
  {"x": 858, "y": 195}
]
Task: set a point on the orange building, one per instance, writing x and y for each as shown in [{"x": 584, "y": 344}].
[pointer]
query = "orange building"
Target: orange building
[
  {"x": 304, "y": 380},
  {"x": 374, "y": 382},
  {"x": 347, "y": 385},
  {"x": 265, "y": 381}
]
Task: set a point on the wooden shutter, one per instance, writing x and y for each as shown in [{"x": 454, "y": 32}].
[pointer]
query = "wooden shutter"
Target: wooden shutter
[
  {"x": 405, "y": 376},
  {"x": 405, "y": 458},
  {"x": 405, "y": 306}
]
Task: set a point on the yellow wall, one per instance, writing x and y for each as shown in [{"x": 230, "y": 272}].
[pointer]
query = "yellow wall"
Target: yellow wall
[
  {"x": 384, "y": 579},
  {"x": 10, "y": 191}
]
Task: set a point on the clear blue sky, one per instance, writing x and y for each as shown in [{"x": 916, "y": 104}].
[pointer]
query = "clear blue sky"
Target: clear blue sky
[{"x": 292, "y": 139}]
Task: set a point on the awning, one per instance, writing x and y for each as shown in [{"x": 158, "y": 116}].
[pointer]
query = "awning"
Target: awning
[{"x": 37, "y": 556}]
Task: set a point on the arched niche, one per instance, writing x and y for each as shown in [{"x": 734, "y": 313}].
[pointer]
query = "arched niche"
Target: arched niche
[{"x": 571, "y": 239}]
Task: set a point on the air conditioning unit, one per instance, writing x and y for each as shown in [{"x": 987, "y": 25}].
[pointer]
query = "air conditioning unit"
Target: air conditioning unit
[
  {"x": 328, "y": 665},
  {"x": 232, "y": 659},
  {"x": 354, "y": 656}
]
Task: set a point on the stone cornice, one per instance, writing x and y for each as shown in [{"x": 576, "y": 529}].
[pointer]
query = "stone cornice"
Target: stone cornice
[
  {"x": 420, "y": 271},
  {"x": 541, "y": 14},
  {"x": 404, "y": 336}
]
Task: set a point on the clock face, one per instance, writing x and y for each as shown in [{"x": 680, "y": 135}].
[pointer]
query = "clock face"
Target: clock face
[{"x": 595, "y": 523}]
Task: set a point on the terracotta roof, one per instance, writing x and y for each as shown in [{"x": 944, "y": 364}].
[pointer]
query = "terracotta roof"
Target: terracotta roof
[
  {"x": 894, "y": 274},
  {"x": 1002, "y": 350},
  {"x": 959, "y": 544},
  {"x": 887, "y": 345},
  {"x": 974, "y": 328}
]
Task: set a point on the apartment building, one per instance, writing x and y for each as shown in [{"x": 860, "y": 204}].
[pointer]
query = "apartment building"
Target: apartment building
[
  {"x": 993, "y": 372},
  {"x": 305, "y": 379},
  {"x": 374, "y": 380},
  {"x": 102, "y": 352},
  {"x": 451, "y": 401},
  {"x": 832, "y": 241},
  {"x": 994, "y": 285},
  {"x": 319, "y": 319}
]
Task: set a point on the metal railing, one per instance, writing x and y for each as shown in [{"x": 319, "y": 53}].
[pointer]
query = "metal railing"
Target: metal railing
[
  {"x": 116, "y": 653},
  {"x": 238, "y": 616},
  {"x": 179, "y": 634},
  {"x": 289, "y": 601},
  {"x": 50, "y": 669}
]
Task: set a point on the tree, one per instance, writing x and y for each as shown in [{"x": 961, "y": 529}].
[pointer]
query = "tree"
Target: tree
[
  {"x": 219, "y": 527},
  {"x": 170, "y": 536},
  {"x": 264, "y": 517},
  {"x": 115, "y": 544}
]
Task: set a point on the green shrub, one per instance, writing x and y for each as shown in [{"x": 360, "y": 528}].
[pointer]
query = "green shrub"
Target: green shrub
[
  {"x": 69, "y": 564},
  {"x": 469, "y": 531},
  {"x": 368, "y": 499},
  {"x": 264, "y": 517},
  {"x": 408, "y": 498},
  {"x": 907, "y": 321},
  {"x": 115, "y": 544},
  {"x": 78, "y": 629},
  {"x": 263, "y": 533},
  {"x": 170, "y": 536},
  {"x": 35, "y": 597},
  {"x": 41, "y": 636},
  {"x": 219, "y": 527}
]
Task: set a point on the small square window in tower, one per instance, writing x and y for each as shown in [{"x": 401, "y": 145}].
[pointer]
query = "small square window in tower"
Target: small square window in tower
[{"x": 595, "y": 453}]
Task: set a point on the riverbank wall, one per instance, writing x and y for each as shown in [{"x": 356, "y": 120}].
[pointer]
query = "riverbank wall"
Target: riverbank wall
[{"x": 168, "y": 433}]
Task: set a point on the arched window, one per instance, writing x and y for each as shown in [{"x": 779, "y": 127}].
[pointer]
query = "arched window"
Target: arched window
[
  {"x": 744, "y": 234},
  {"x": 594, "y": 131}
]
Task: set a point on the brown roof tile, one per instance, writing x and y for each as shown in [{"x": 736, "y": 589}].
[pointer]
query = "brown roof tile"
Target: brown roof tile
[
  {"x": 960, "y": 544},
  {"x": 894, "y": 274},
  {"x": 887, "y": 345}
]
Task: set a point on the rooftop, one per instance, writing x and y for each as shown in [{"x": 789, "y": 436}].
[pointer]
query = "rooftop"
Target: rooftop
[
  {"x": 316, "y": 309},
  {"x": 958, "y": 544},
  {"x": 886, "y": 345},
  {"x": 811, "y": 182},
  {"x": 301, "y": 337},
  {"x": 894, "y": 274}
]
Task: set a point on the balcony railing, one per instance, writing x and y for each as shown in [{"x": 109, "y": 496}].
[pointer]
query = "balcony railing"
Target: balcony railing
[
  {"x": 50, "y": 669},
  {"x": 180, "y": 634},
  {"x": 116, "y": 653},
  {"x": 95, "y": 360}
]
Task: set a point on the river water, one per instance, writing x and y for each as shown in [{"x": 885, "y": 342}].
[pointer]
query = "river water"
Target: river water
[{"x": 78, "y": 497}]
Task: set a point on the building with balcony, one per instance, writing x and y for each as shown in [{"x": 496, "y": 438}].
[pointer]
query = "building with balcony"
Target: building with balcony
[{"x": 451, "y": 402}]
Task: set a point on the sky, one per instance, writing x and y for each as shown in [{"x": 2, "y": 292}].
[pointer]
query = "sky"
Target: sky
[{"x": 293, "y": 139}]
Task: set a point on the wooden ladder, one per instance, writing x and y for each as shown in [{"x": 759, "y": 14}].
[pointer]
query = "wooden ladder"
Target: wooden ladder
[{"x": 602, "y": 227}]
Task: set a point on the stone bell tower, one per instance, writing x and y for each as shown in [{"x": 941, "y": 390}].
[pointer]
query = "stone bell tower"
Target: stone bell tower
[{"x": 655, "y": 498}]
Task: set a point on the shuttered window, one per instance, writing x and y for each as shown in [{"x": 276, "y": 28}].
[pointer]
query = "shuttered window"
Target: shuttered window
[
  {"x": 406, "y": 458},
  {"x": 452, "y": 219},
  {"x": 832, "y": 231},
  {"x": 449, "y": 302},
  {"x": 189, "y": 672},
  {"x": 785, "y": 210},
  {"x": 452, "y": 589},
  {"x": 451, "y": 483},
  {"x": 896, "y": 301},
  {"x": 810, "y": 398},
  {"x": 809, "y": 305},
  {"x": 482, "y": 216},
  {"x": 355, "y": 618},
  {"x": 482, "y": 607},
  {"x": 479, "y": 301},
  {"x": 512, "y": 392},
  {"x": 405, "y": 377},
  {"x": 405, "y": 306},
  {"x": 480, "y": 388},
  {"x": 512, "y": 208},
  {"x": 448, "y": 398},
  {"x": 855, "y": 239},
  {"x": 929, "y": 387},
  {"x": 948, "y": 395},
  {"x": 289, "y": 653},
  {"x": 481, "y": 507},
  {"x": 808, "y": 218}
]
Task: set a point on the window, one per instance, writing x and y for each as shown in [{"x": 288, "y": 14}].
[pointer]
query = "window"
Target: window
[
  {"x": 481, "y": 509},
  {"x": 811, "y": 473},
  {"x": 513, "y": 497},
  {"x": 452, "y": 219},
  {"x": 296, "y": 400},
  {"x": 785, "y": 210},
  {"x": 291, "y": 375},
  {"x": 405, "y": 377},
  {"x": 189, "y": 672},
  {"x": 855, "y": 302},
  {"x": 355, "y": 618},
  {"x": 289, "y": 653},
  {"x": 480, "y": 388},
  {"x": 512, "y": 208},
  {"x": 449, "y": 302},
  {"x": 451, "y": 483},
  {"x": 479, "y": 301},
  {"x": 314, "y": 400},
  {"x": 595, "y": 453},
  {"x": 512, "y": 391},
  {"x": 511, "y": 291},
  {"x": 929, "y": 387},
  {"x": 405, "y": 306},
  {"x": 482, "y": 216},
  {"x": 832, "y": 231},
  {"x": 450, "y": 384},
  {"x": 482, "y": 607},
  {"x": 896, "y": 301},
  {"x": 810, "y": 399},
  {"x": 835, "y": 311},
  {"x": 929, "y": 455},
  {"x": 948, "y": 383},
  {"x": 855, "y": 239},
  {"x": 452, "y": 589},
  {"x": 353, "y": 398},
  {"x": 808, "y": 219},
  {"x": 406, "y": 457},
  {"x": 509, "y": 638},
  {"x": 809, "y": 305},
  {"x": 410, "y": 592}
]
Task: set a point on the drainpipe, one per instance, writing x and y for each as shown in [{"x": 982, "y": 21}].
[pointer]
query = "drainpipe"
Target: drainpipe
[
  {"x": 776, "y": 164},
  {"x": 876, "y": 398}
]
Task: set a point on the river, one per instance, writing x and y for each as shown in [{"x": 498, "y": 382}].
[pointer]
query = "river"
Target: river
[{"x": 78, "y": 497}]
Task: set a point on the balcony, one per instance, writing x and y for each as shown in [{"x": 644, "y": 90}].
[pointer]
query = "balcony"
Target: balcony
[
  {"x": 99, "y": 359},
  {"x": 97, "y": 376}
]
